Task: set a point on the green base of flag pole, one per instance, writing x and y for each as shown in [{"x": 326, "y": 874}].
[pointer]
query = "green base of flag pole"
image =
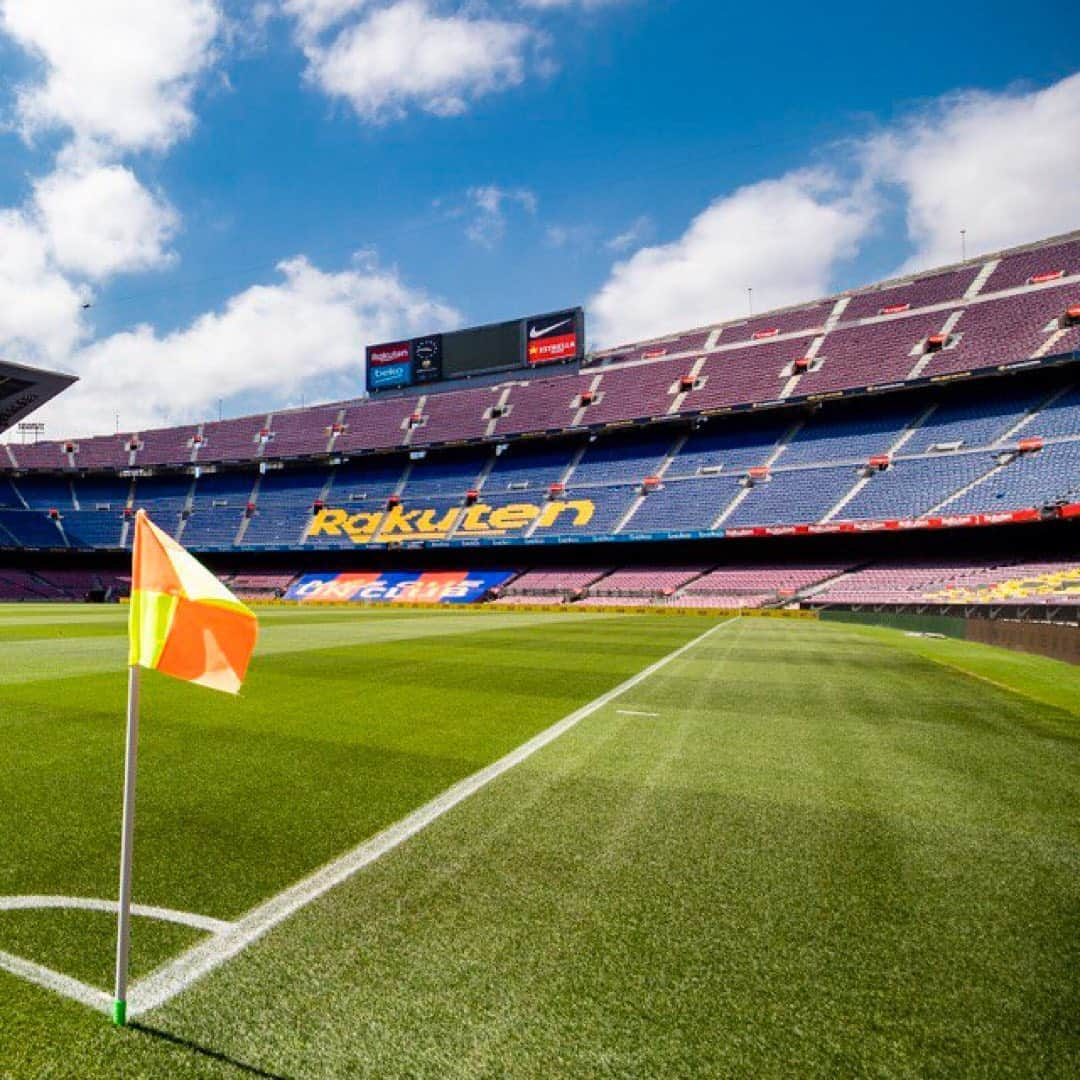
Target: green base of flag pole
[{"x": 119, "y": 1013}]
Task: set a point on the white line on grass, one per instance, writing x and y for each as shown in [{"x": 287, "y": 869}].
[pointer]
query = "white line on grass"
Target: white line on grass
[
  {"x": 164, "y": 984},
  {"x": 56, "y": 982},
  {"x": 635, "y": 712},
  {"x": 85, "y": 903}
]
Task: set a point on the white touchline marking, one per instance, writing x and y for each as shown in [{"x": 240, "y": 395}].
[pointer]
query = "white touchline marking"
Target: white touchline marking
[
  {"x": 56, "y": 982},
  {"x": 231, "y": 938},
  {"x": 173, "y": 978},
  {"x": 635, "y": 712},
  {"x": 85, "y": 903}
]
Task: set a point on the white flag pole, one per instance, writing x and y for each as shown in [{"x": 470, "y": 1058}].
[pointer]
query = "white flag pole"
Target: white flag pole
[{"x": 123, "y": 931}]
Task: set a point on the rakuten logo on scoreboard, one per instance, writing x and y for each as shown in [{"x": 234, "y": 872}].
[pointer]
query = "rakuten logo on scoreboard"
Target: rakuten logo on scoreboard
[
  {"x": 551, "y": 339},
  {"x": 389, "y": 365}
]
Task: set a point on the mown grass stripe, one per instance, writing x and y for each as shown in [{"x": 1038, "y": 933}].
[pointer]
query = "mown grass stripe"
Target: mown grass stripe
[{"x": 172, "y": 979}]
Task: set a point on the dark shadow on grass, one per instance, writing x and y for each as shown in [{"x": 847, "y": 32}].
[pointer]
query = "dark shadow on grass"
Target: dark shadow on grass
[{"x": 214, "y": 1055}]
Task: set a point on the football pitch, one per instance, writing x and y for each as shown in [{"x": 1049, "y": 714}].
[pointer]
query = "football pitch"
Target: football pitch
[{"x": 785, "y": 848}]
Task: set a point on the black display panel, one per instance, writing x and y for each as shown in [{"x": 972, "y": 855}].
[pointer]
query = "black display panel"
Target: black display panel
[
  {"x": 487, "y": 348},
  {"x": 427, "y": 355}
]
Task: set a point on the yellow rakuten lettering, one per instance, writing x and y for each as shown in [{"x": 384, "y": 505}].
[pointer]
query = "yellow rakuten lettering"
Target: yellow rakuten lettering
[
  {"x": 582, "y": 510},
  {"x": 427, "y": 524},
  {"x": 473, "y": 520},
  {"x": 399, "y": 521},
  {"x": 514, "y": 516},
  {"x": 362, "y": 526},
  {"x": 328, "y": 523}
]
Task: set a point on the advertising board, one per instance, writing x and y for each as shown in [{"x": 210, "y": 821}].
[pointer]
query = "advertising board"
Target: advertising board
[
  {"x": 389, "y": 365},
  {"x": 552, "y": 339},
  {"x": 372, "y": 587}
]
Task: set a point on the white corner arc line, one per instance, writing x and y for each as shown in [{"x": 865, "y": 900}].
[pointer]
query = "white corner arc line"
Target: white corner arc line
[
  {"x": 86, "y": 903},
  {"x": 48, "y": 979},
  {"x": 159, "y": 987}
]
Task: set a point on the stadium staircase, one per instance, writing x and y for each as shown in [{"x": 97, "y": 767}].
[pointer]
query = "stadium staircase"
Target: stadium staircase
[
  {"x": 666, "y": 464},
  {"x": 245, "y": 521},
  {"x": 981, "y": 278},
  {"x": 828, "y": 582},
  {"x": 904, "y": 437},
  {"x": 768, "y": 463}
]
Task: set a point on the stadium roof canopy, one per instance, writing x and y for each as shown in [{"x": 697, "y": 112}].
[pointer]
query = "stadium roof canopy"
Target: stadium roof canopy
[{"x": 24, "y": 389}]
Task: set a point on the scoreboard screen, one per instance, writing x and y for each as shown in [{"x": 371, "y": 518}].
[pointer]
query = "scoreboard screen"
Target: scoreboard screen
[
  {"x": 487, "y": 348},
  {"x": 556, "y": 338}
]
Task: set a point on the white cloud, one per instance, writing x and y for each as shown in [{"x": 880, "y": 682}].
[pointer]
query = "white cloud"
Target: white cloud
[
  {"x": 100, "y": 220},
  {"x": 314, "y": 16},
  {"x": 1001, "y": 166},
  {"x": 407, "y": 56},
  {"x": 635, "y": 233},
  {"x": 269, "y": 340},
  {"x": 547, "y": 5},
  {"x": 40, "y": 310},
  {"x": 85, "y": 221},
  {"x": 780, "y": 237},
  {"x": 490, "y": 204},
  {"x": 572, "y": 237},
  {"x": 550, "y": 5},
  {"x": 121, "y": 72},
  {"x": 1004, "y": 167}
]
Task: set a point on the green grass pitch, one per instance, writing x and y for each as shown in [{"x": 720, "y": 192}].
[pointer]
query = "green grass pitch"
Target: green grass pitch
[{"x": 797, "y": 850}]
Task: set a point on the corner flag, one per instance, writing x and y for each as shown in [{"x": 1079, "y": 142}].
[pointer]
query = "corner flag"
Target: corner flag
[{"x": 182, "y": 622}]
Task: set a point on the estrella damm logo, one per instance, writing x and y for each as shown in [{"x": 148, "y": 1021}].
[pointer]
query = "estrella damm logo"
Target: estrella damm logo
[{"x": 479, "y": 520}]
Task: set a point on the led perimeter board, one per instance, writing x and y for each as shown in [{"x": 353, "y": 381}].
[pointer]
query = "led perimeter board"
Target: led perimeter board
[{"x": 555, "y": 338}]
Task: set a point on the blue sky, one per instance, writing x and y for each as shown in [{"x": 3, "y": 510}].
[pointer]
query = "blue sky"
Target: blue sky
[{"x": 421, "y": 163}]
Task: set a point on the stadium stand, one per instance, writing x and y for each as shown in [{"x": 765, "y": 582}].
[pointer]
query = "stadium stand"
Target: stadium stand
[
  {"x": 1010, "y": 320},
  {"x": 548, "y": 586},
  {"x": 853, "y": 413},
  {"x": 1002, "y": 446},
  {"x": 230, "y": 440},
  {"x": 52, "y": 584},
  {"x": 939, "y": 581},
  {"x": 956, "y": 582},
  {"x": 260, "y": 585},
  {"x": 284, "y": 502}
]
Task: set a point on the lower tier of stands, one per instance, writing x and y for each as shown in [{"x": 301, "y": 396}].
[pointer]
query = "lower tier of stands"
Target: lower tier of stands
[
  {"x": 63, "y": 585},
  {"x": 992, "y": 581},
  {"x": 953, "y": 581}
]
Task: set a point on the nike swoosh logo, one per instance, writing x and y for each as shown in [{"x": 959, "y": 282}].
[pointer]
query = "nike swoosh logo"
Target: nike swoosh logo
[{"x": 534, "y": 333}]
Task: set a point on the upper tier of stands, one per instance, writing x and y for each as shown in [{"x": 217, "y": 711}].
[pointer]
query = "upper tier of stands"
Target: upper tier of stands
[
  {"x": 1008, "y": 446},
  {"x": 986, "y": 314}
]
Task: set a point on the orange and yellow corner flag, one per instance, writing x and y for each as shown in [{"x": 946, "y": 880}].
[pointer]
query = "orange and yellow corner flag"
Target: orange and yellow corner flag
[{"x": 183, "y": 621}]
